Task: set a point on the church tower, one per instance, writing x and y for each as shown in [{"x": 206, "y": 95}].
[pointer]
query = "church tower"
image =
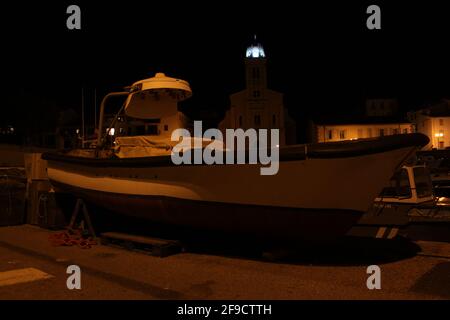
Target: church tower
[
  {"x": 257, "y": 106},
  {"x": 256, "y": 72}
]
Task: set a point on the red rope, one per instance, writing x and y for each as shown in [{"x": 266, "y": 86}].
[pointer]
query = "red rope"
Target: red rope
[{"x": 71, "y": 238}]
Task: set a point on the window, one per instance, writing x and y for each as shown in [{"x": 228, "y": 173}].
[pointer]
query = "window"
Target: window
[
  {"x": 369, "y": 132},
  {"x": 405, "y": 130},
  {"x": 441, "y": 144},
  {"x": 399, "y": 186},
  {"x": 257, "y": 120},
  {"x": 360, "y": 134},
  {"x": 342, "y": 134},
  {"x": 394, "y": 131},
  {"x": 441, "y": 122},
  {"x": 152, "y": 130},
  {"x": 140, "y": 130},
  {"x": 330, "y": 134},
  {"x": 166, "y": 127},
  {"x": 381, "y": 132},
  {"x": 274, "y": 119}
]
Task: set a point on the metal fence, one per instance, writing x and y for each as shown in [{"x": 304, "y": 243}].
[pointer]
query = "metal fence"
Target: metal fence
[{"x": 12, "y": 196}]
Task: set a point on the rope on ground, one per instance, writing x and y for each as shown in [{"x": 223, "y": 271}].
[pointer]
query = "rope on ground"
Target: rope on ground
[{"x": 72, "y": 237}]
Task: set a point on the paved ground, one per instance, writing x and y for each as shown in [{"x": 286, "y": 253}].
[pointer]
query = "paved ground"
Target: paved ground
[{"x": 112, "y": 273}]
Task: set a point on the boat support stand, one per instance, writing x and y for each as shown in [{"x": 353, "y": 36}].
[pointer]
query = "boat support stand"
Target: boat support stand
[{"x": 81, "y": 205}]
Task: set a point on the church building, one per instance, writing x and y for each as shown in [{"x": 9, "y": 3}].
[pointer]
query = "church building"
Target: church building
[{"x": 257, "y": 106}]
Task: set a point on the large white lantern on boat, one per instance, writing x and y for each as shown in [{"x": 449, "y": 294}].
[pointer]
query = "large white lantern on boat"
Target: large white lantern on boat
[{"x": 156, "y": 97}]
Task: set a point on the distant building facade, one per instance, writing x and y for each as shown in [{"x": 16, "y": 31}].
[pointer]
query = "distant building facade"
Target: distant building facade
[
  {"x": 257, "y": 106},
  {"x": 380, "y": 119},
  {"x": 381, "y": 107},
  {"x": 433, "y": 121},
  {"x": 331, "y": 132}
]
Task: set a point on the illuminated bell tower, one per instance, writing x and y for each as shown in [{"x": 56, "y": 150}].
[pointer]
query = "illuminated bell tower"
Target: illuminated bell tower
[
  {"x": 257, "y": 106},
  {"x": 255, "y": 67}
]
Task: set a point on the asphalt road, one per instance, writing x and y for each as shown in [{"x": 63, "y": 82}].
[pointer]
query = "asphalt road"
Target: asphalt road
[{"x": 337, "y": 272}]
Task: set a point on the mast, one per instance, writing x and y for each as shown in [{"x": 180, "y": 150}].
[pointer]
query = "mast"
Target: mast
[
  {"x": 82, "y": 117},
  {"x": 95, "y": 109}
]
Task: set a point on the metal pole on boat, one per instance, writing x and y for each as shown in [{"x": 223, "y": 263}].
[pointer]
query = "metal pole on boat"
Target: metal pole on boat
[
  {"x": 102, "y": 111},
  {"x": 95, "y": 108},
  {"x": 82, "y": 117}
]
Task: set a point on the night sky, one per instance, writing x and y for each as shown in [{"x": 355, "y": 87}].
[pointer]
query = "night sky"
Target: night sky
[{"x": 320, "y": 55}]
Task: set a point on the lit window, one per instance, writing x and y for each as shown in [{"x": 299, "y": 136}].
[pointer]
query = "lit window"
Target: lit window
[
  {"x": 330, "y": 134},
  {"x": 342, "y": 134}
]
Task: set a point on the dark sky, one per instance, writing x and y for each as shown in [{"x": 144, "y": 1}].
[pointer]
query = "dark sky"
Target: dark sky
[{"x": 320, "y": 54}]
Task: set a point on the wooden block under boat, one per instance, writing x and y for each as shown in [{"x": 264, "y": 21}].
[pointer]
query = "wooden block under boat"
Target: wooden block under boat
[{"x": 159, "y": 247}]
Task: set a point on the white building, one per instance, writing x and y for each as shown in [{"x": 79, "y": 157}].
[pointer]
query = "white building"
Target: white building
[
  {"x": 379, "y": 120},
  {"x": 434, "y": 122},
  {"x": 334, "y": 131},
  {"x": 257, "y": 106}
]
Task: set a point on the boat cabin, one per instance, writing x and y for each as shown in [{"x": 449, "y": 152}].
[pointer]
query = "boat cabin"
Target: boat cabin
[{"x": 409, "y": 185}]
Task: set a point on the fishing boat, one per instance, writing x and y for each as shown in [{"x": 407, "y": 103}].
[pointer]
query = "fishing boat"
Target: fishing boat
[{"x": 319, "y": 192}]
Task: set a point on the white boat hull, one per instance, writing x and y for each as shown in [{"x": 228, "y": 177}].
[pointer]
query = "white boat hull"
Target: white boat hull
[{"x": 313, "y": 198}]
